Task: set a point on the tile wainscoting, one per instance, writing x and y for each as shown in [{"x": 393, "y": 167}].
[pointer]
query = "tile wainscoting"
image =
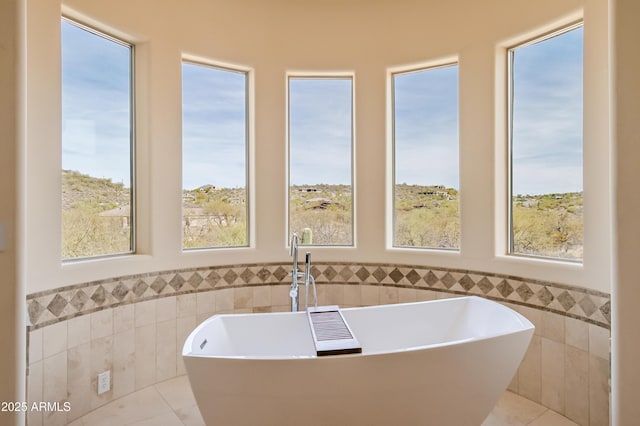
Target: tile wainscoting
[{"x": 135, "y": 327}]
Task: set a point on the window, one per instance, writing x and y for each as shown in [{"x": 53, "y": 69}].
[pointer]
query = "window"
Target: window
[
  {"x": 425, "y": 151},
  {"x": 214, "y": 157},
  {"x": 546, "y": 211},
  {"x": 97, "y": 144},
  {"x": 320, "y": 160}
]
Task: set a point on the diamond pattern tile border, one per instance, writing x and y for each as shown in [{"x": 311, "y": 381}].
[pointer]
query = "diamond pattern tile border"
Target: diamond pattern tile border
[{"x": 51, "y": 306}]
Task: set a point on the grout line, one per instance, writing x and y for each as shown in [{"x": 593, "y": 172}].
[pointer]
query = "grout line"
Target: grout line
[
  {"x": 541, "y": 414},
  {"x": 165, "y": 399},
  {"x": 160, "y": 393}
]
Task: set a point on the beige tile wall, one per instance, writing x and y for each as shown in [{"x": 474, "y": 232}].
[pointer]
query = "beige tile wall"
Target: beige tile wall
[{"x": 566, "y": 367}]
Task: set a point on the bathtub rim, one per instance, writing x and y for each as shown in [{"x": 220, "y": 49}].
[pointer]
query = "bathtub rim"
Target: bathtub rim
[{"x": 527, "y": 327}]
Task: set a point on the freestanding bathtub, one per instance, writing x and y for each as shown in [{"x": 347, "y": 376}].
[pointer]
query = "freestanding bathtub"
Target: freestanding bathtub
[{"x": 441, "y": 363}]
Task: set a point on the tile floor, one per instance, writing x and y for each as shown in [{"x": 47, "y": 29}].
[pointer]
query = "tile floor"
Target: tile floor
[{"x": 171, "y": 403}]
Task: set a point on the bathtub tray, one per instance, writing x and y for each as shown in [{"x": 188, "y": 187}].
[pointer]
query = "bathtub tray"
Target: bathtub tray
[{"x": 331, "y": 333}]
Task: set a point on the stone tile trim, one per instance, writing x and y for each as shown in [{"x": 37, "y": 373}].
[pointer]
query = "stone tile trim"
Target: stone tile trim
[{"x": 60, "y": 304}]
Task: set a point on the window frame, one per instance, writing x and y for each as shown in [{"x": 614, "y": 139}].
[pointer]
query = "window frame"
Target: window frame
[
  {"x": 247, "y": 139},
  {"x": 132, "y": 139},
  {"x": 352, "y": 151},
  {"x": 557, "y": 31},
  {"x": 450, "y": 62}
]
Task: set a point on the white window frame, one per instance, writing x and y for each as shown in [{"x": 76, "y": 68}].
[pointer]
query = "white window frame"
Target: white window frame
[
  {"x": 392, "y": 240},
  {"x": 322, "y": 76},
  {"x": 247, "y": 143},
  {"x": 510, "y": 98},
  {"x": 132, "y": 138}
]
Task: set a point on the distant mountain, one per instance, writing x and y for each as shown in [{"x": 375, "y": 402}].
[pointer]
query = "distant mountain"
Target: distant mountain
[{"x": 79, "y": 188}]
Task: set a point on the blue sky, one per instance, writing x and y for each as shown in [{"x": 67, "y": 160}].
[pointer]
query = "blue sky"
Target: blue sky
[
  {"x": 547, "y": 130},
  {"x": 213, "y": 127},
  {"x": 547, "y": 116},
  {"x": 95, "y": 105},
  {"x": 320, "y": 130},
  {"x": 426, "y": 127}
]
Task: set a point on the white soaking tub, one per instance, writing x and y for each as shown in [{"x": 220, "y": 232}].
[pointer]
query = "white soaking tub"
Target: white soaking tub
[{"x": 441, "y": 363}]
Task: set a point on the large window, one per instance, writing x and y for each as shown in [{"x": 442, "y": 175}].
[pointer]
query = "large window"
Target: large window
[
  {"x": 546, "y": 146},
  {"x": 97, "y": 141},
  {"x": 214, "y": 157},
  {"x": 320, "y": 160},
  {"x": 426, "y": 166}
]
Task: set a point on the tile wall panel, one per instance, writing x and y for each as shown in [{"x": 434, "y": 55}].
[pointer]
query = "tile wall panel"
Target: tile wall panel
[
  {"x": 136, "y": 326},
  {"x": 48, "y": 307}
]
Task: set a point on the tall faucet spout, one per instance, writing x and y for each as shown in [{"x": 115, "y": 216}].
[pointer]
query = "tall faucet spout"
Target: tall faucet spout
[
  {"x": 308, "y": 279},
  {"x": 293, "y": 249},
  {"x": 294, "y": 274}
]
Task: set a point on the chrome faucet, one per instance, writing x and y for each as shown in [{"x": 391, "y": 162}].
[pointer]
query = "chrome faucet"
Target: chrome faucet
[
  {"x": 296, "y": 274},
  {"x": 308, "y": 278}
]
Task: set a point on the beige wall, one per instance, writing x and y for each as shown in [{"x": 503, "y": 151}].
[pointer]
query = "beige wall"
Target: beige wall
[
  {"x": 625, "y": 131},
  {"x": 274, "y": 37},
  {"x": 12, "y": 323},
  {"x": 279, "y": 36},
  {"x": 8, "y": 78}
]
